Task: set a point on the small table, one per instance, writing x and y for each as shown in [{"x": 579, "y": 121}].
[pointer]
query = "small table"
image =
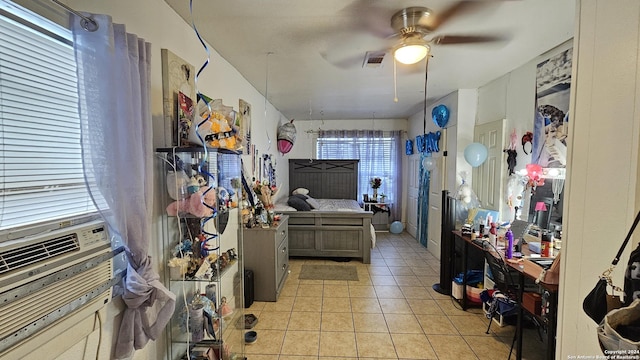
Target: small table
[{"x": 381, "y": 213}]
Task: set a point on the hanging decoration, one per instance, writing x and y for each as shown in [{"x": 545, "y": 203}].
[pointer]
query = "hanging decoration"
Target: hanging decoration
[
  {"x": 266, "y": 96},
  {"x": 440, "y": 115},
  {"x": 408, "y": 147},
  {"x": 527, "y": 138},
  {"x": 286, "y": 137},
  {"x": 512, "y": 154},
  {"x": 534, "y": 172},
  {"x": 467, "y": 199},
  {"x": 200, "y": 129},
  {"x": 423, "y": 201},
  {"x": 428, "y": 163},
  {"x": 515, "y": 192},
  {"x": 475, "y": 154}
]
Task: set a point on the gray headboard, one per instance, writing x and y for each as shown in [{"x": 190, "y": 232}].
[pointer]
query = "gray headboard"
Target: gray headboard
[{"x": 325, "y": 179}]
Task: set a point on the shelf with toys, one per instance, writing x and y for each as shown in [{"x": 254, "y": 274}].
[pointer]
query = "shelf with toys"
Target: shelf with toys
[{"x": 202, "y": 242}]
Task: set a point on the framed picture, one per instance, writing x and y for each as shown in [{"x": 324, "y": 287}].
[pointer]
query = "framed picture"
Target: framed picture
[{"x": 177, "y": 77}]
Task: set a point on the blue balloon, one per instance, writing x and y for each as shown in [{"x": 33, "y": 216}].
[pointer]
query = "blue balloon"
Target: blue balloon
[
  {"x": 396, "y": 227},
  {"x": 440, "y": 115},
  {"x": 475, "y": 154}
]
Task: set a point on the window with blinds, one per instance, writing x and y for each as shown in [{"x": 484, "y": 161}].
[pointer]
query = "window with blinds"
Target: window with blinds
[
  {"x": 376, "y": 160},
  {"x": 41, "y": 175}
]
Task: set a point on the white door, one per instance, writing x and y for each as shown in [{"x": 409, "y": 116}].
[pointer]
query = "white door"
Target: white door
[
  {"x": 412, "y": 195},
  {"x": 487, "y": 178},
  {"x": 435, "y": 206}
]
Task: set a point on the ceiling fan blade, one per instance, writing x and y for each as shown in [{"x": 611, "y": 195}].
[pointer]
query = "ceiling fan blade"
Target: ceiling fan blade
[
  {"x": 457, "y": 9},
  {"x": 466, "y": 39},
  {"x": 343, "y": 62}
]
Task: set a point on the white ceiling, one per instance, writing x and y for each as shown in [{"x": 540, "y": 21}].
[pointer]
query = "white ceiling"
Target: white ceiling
[{"x": 307, "y": 55}]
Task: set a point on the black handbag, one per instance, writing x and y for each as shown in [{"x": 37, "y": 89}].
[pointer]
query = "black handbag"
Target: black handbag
[{"x": 599, "y": 302}]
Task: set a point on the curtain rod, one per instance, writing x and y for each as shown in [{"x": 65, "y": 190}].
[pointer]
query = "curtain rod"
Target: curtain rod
[
  {"x": 87, "y": 23},
  {"x": 318, "y": 131}
]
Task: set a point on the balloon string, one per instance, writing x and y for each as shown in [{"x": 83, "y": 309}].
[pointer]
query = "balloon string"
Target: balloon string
[
  {"x": 202, "y": 168},
  {"x": 426, "y": 79}
]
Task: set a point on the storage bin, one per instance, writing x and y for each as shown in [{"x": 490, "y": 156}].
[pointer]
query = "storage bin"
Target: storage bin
[
  {"x": 473, "y": 293},
  {"x": 456, "y": 290},
  {"x": 532, "y": 302}
]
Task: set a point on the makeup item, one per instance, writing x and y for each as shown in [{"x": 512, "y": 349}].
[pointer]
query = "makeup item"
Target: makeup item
[{"x": 508, "y": 251}]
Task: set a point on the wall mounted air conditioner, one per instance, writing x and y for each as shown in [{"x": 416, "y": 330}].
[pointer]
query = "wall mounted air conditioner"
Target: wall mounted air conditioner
[{"x": 49, "y": 277}]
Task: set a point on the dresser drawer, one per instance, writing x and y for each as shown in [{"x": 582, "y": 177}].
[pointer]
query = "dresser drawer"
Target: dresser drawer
[
  {"x": 282, "y": 260},
  {"x": 281, "y": 233}
]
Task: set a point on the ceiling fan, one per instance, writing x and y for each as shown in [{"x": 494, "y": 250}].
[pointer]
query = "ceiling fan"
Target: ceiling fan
[
  {"x": 411, "y": 27},
  {"x": 414, "y": 24}
]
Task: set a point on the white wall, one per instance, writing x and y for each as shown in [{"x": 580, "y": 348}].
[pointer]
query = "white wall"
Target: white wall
[
  {"x": 157, "y": 23},
  {"x": 602, "y": 184}
]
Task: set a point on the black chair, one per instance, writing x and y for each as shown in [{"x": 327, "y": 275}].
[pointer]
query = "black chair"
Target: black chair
[{"x": 505, "y": 300}]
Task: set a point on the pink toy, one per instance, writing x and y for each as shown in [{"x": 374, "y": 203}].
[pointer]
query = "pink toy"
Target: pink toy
[{"x": 194, "y": 204}]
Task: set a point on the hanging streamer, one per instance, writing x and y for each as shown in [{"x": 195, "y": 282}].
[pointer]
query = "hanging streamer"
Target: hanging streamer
[
  {"x": 202, "y": 168},
  {"x": 266, "y": 94},
  {"x": 423, "y": 202}
]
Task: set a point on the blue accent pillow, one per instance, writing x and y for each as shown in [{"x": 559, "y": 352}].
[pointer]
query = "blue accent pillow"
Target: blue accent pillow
[{"x": 298, "y": 203}]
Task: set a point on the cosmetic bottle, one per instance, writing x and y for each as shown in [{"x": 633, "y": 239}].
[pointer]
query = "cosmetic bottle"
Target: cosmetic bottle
[{"x": 508, "y": 251}]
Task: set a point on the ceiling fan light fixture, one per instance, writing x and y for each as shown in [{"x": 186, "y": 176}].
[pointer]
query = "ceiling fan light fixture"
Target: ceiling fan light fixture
[{"x": 410, "y": 52}]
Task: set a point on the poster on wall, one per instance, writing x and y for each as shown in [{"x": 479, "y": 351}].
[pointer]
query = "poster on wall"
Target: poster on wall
[
  {"x": 177, "y": 77},
  {"x": 551, "y": 121}
]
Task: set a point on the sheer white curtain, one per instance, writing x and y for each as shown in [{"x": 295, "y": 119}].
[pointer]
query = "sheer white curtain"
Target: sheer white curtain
[
  {"x": 113, "y": 81},
  {"x": 379, "y": 154}
]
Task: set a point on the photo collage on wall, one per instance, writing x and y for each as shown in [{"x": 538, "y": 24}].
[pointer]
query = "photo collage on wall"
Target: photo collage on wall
[{"x": 550, "y": 128}]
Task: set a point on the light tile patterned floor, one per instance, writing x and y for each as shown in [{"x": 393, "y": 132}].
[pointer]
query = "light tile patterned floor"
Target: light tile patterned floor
[{"x": 391, "y": 312}]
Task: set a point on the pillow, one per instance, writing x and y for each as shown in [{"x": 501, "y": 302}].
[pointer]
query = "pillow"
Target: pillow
[
  {"x": 301, "y": 196},
  {"x": 313, "y": 203},
  {"x": 298, "y": 204},
  {"x": 302, "y": 191}
]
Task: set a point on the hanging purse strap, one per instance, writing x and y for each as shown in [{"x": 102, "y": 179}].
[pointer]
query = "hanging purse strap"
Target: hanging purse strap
[
  {"x": 626, "y": 240},
  {"x": 606, "y": 275}
]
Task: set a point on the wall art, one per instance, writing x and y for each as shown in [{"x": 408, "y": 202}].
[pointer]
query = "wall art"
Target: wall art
[
  {"x": 244, "y": 124},
  {"x": 177, "y": 76}
]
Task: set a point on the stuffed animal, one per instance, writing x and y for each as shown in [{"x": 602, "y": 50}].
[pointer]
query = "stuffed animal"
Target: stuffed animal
[{"x": 194, "y": 204}]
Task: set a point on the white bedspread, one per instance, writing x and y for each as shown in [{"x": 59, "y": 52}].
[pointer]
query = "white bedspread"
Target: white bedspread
[
  {"x": 326, "y": 205},
  {"x": 339, "y": 205}
]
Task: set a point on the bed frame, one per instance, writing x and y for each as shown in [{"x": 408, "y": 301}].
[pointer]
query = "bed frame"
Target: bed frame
[{"x": 326, "y": 233}]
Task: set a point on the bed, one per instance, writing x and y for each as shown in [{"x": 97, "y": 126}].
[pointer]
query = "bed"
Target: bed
[{"x": 339, "y": 228}]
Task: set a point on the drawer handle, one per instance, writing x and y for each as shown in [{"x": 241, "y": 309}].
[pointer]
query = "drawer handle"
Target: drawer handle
[
  {"x": 282, "y": 232},
  {"x": 284, "y": 249},
  {"x": 284, "y": 266}
]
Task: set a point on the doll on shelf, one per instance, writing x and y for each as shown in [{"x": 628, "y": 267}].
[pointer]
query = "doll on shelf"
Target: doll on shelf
[{"x": 224, "y": 309}]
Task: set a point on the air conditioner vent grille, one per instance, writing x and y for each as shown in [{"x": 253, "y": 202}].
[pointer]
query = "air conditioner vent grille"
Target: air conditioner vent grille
[
  {"x": 373, "y": 59},
  {"x": 34, "y": 253}
]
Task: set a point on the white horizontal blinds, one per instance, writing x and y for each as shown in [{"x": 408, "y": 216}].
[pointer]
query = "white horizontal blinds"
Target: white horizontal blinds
[
  {"x": 376, "y": 156},
  {"x": 41, "y": 175}
]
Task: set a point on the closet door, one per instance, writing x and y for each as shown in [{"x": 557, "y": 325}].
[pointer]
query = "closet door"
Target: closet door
[{"x": 487, "y": 178}]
